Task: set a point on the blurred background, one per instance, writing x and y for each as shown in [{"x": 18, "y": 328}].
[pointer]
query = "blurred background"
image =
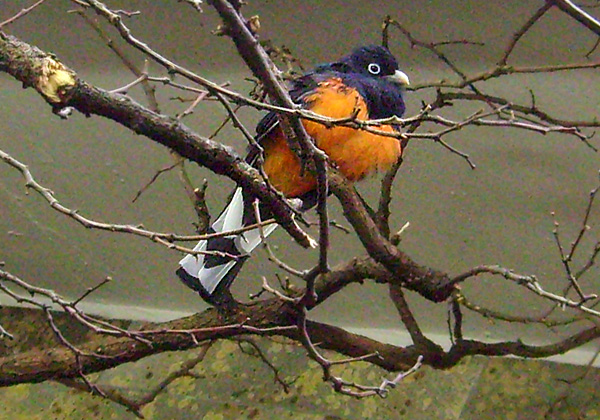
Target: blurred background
[{"x": 499, "y": 213}]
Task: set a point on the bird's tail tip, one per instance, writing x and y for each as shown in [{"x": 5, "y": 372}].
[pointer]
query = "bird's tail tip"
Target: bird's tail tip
[
  {"x": 192, "y": 282},
  {"x": 218, "y": 297}
]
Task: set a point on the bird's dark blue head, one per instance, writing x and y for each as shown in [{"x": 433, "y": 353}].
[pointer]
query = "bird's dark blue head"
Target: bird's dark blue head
[
  {"x": 373, "y": 70},
  {"x": 373, "y": 61}
]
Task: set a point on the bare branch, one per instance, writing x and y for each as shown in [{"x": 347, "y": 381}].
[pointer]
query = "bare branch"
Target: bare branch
[
  {"x": 340, "y": 385},
  {"x": 165, "y": 239},
  {"x": 408, "y": 319},
  {"x": 433, "y": 47},
  {"x": 542, "y": 319},
  {"x": 5, "y": 334},
  {"x": 578, "y": 14},
  {"x": 531, "y": 283},
  {"x": 142, "y": 75},
  {"x": 22, "y": 13},
  {"x": 524, "y": 29},
  {"x": 159, "y": 128},
  {"x": 256, "y": 351}
]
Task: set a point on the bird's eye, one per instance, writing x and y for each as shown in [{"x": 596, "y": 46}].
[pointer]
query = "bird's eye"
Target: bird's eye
[{"x": 374, "y": 68}]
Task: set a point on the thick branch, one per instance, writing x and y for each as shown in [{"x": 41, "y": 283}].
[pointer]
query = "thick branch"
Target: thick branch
[
  {"x": 431, "y": 284},
  {"x": 61, "y": 88},
  {"x": 271, "y": 317},
  {"x": 61, "y": 362}
]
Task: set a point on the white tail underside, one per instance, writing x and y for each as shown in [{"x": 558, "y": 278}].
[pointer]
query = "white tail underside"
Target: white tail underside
[{"x": 230, "y": 219}]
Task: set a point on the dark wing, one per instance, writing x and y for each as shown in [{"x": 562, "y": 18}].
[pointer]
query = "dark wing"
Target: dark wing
[
  {"x": 384, "y": 99},
  {"x": 301, "y": 86}
]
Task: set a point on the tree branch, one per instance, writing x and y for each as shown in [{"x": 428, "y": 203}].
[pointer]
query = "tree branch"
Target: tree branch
[
  {"x": 578, "y": 14},
  {"x": 62, "y": 89}
]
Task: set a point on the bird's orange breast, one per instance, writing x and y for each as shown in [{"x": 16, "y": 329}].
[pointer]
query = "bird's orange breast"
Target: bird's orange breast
[{"x": 356, "y": 153}]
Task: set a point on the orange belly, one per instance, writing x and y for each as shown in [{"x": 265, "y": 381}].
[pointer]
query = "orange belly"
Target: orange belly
[{"x": 356, "y": 153}]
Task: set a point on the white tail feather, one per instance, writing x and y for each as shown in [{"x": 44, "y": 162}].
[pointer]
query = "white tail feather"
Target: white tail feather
[{"x": 231, "y": 219}]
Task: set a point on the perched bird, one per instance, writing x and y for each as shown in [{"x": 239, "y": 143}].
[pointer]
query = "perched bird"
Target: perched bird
[{"x": 366, "y": 83}]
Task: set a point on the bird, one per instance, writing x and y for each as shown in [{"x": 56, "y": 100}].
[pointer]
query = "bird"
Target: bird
[{"x": 366, "y": 84}]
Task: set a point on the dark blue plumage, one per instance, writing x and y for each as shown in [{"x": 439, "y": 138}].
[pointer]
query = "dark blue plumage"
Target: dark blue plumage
[{"x": 368, "y": 78}]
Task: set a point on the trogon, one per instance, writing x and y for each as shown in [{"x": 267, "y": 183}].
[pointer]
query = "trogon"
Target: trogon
[{"x": 367, "y": 84}]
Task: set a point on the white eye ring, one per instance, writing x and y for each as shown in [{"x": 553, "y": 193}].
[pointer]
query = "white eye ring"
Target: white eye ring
[{"x": 374, "y": 68}]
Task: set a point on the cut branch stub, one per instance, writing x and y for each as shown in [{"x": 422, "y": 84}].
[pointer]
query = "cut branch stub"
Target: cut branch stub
[{"x": 35, "y": 68}]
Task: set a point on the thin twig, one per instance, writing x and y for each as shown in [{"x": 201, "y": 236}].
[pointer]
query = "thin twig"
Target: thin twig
[
  {"x": 565, "y": 259},
  {"x": 156, "y": 175},
  {"x": 260, "y": 354},
  {"x": 340, "y": 385},
  {"x": 530, "y": 282},
  {"x": 142, "y": 75},
  {"x": 91, "y": 290},
  {"x": 22, "y": 13},
  {"x": 165, "y": 239},
  {"x": 264, "y": 243},
  {"x": 5, "y": 334},
  {"x": 522, "y": 31},
  {"x": 501, "y": 316}
]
